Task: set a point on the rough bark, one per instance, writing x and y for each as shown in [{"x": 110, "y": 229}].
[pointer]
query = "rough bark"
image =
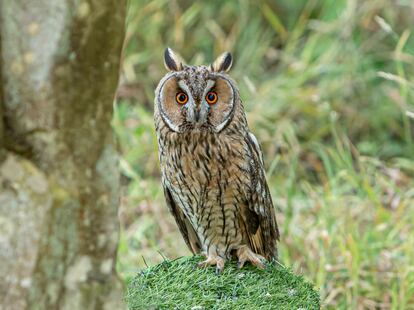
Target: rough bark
[{"x": 58, "y": 165}]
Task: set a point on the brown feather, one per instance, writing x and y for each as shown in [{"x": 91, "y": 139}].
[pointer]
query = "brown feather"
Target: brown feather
[
  {"x": 260, "y": 208},
  {"x": 184, "y": 225}
]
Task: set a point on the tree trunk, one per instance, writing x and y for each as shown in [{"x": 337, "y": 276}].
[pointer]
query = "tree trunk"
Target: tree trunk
[{"x": 58, "y": 165}]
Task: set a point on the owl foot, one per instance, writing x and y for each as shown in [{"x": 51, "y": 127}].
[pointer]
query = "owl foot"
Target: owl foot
[
  {"x": 244, "y": 254},
  {"x": 211, "y": 261}
]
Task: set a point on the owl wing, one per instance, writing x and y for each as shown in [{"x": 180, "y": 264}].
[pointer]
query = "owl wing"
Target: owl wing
[
  {"x": 186, "y": 229},
  {"x": 258, "y": 215}
]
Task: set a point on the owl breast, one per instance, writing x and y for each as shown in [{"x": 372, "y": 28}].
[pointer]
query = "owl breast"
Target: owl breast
[{"x": 208, "y": 176}]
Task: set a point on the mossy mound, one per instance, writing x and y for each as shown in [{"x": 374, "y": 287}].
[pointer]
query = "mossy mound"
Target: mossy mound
[{"x": 178, "y": 284}]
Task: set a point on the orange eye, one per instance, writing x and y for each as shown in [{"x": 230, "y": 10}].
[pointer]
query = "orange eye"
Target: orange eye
[
  {"x": 211, "y": 97},
  {"x": 181, "y": 98}
]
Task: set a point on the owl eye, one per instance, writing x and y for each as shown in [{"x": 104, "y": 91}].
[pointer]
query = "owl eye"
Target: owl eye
[
  {"x": 181, "y": 98},
  {"x": 211, "y": 97}
]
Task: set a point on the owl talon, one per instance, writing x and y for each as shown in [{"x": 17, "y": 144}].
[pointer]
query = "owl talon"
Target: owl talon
[
  {"x": 245, "y": 254},
  {"x": 211, "y": 261}
]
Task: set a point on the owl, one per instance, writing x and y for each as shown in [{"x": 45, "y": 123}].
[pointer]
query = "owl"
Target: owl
[{"x": 212, "y": 166}]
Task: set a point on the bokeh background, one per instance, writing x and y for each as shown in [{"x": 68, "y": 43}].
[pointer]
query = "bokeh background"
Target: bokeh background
[{"x": 328, "y": 88}]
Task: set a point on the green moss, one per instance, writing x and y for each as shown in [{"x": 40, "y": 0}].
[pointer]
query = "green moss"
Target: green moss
[{"x": 178, "y": 284}]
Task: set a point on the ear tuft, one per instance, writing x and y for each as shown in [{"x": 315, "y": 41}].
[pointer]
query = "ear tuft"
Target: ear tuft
[
  {"x": 172, "y": 61},
  {"x": 222, "y": 63}
]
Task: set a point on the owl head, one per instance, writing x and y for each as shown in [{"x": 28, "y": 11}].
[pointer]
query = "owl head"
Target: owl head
[{"x": 196, "y": 98}]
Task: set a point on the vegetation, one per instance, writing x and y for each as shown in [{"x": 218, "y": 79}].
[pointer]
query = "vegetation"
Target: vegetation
[
  {"x": 327, "y": 86},
  {"x": 249, "y": 288}
]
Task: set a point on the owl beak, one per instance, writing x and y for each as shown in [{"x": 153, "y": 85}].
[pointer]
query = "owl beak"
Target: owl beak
[
  {"x": 197, "y": 115},
  {"x": 194, "y": 114}
]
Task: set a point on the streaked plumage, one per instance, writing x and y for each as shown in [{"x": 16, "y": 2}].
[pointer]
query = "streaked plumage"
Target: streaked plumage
[{"x": 212, "y": 166}]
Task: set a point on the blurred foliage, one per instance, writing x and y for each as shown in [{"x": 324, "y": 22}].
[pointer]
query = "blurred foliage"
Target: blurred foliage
[{"x": 327, "y": 86}]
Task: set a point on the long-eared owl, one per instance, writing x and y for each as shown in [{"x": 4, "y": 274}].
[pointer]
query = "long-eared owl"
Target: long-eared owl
[{"x": 212, "y": 166}]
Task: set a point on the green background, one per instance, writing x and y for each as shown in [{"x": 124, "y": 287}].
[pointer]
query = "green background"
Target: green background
[{"x": 326, "y": 86}]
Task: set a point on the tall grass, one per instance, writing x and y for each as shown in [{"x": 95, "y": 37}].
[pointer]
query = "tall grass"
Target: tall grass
[{"x": 327, "y": 86}]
